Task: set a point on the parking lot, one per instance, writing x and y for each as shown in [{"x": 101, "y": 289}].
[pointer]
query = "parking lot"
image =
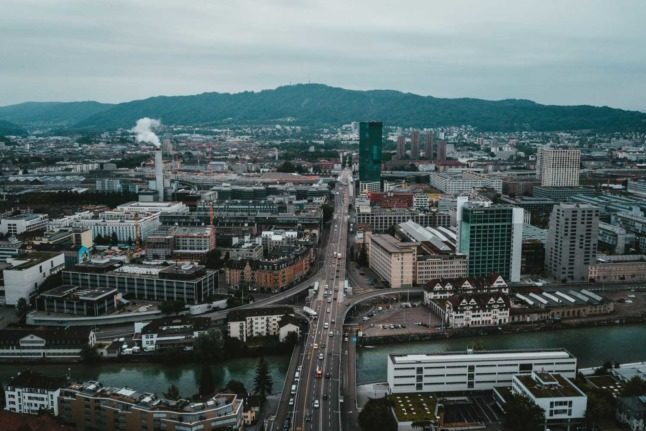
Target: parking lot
[{"x": 397, "y": 318}]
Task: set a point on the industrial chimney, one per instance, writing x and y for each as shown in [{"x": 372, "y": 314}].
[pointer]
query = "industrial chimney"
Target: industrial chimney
[{"x": 159, "y": 174}]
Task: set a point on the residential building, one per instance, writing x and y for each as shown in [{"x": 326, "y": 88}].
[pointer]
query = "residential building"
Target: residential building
[
  {"x": 191, "y": 284},
  {"x": 90, "y": 405},
  {"x": 370, "y": 141},
  {"x": 152, "y": 207},
  {"x": 193, "y": 243},
  {"x": 127, "y": 226},
  {"x": 414, "y": 145},
  {"x": 420, "y": 201},
  {"x": 474, "y": 370},
  {"x": 637, "y": 187},
  {"x": 26, "y": 273},
  {"x": 401, "y": 147},
  {"x": 44, "y": 343},
  {"x": 392, "y": 260},
  {"x": 614, "y": 238},
  {"x": 31, "y": 393},
  {"x": 271, "y": 239},
  {"x": 571, "y": 241},
  {"x": 23, "y": 223},
  {"x": 491, "y": 237},
  {"x": 10, "y": 248},
  {"x": 173, "y": 333},
  {"x": 561, "y": 400},
  {"x": 261, "y": 322},
  {"x": 454, "y": 183},
  {"x": 558, "y": 167},
  {"x": 561, "y": 194},
  {"x": 428, "y": 146},
  {"x": 631, "y": 411},
  {"x": 446, "y": 288},
  {"x": 441, "y": 151},
  {"x": 109, "y": 185}
]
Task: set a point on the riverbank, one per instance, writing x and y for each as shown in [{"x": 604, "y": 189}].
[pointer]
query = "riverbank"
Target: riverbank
[
  {"x": 503, "y": 330},
  {"x": 591, "y": 345}
]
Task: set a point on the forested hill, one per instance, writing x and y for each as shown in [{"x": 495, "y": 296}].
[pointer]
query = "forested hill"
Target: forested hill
[{"x": 316, "y": 104}]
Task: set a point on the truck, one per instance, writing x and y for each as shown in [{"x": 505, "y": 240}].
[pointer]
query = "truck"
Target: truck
[
  {"x": 313, "y": 314},
  {"x": 316, "y": 287}
]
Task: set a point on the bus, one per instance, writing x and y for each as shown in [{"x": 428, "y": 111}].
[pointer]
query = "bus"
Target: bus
[
  {"x": 310, "y": 312},
  {"x": 319, "y": 373}
]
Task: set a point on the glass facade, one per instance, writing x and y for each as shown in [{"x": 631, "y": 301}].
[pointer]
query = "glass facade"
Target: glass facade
[
  {"x": 486, "y": 235},
  {"x": 370, "y": 137}
]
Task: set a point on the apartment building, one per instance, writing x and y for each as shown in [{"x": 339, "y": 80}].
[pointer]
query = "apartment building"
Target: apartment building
[
  {"x": 392, "y": 260},
  {"x": 472, "y": 310},
  {"x": 92, "y": 406},
  {"x": 445, "y": 288},
  {"x": 454, "y": 183},
  {"x": 262, "y": 322},
  {"x": 31, "y": 393},
  {"x": 177, "y": 332},
  {"x": 381, "y": 219},
  {"x": 472, "y": 370}
]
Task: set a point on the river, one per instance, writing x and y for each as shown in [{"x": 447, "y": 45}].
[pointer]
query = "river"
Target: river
[
  {"x": 591, "y": 346},
  {"x": 156, "y": 377}
]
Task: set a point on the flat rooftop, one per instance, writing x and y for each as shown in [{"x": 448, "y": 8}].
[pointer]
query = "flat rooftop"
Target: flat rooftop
[
  {"x": 545, "y": 385},
  {"x": 391, "y": 244},
  {"x": 479, "y": 355},
  {"x": 413, "y": 407}
]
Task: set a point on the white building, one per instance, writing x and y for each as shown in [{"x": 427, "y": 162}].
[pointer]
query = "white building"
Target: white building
[
  {"x": 31, "y": 393},
  {"x": 276, "y": 238},
  {"x": 475, "y": 310},
  {"x": 392, "y": 260},
  {"x": 151, "y": 207},
  {"x": 561, "y": 400},
  {"x": 26, "y": 274},
  {"x": 472, "y": 370},
  {"x": 558, "y": 167},
  {"x": 128, "y": 226},
  {"x": 454, "y": 183},
  {"x": 420, "y": 201},
  {"x": 264, "y": 322},
  {"x": 172, "y": 333},
  {"x": 21, "y": 223},
  {"x": 45, "y": 343}
]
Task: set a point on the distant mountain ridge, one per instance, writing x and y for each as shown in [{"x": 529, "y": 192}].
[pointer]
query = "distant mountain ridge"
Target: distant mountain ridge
[{"x": 317, "y": 104}]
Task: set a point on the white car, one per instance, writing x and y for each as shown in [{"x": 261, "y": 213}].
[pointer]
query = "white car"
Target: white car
[
  {"x": 320, "y": 356},
  {"x": 316, "y": 404}
]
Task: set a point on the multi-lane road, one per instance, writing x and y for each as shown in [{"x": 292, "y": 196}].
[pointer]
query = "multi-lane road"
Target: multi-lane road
[{"x": 317, "y": 400}]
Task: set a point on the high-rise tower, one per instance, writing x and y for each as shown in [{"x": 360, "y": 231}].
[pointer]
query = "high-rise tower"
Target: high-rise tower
[{"x": 370, "y": 138}]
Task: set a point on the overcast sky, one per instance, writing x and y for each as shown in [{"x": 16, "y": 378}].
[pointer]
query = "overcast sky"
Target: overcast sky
[{"x": 550, "y": 51}]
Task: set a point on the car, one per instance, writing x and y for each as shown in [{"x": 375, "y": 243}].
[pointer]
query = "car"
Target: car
[
  {"x": 320, "y": 356},
  {"x": 331, "y": 334},
  {"x": 326, "y": 325},
  {"x": 329, "y": 300},
  {"x": 308, "y": 418},
  {"x": 291, "y": 401},
  {"x": 316, "y": 404},
  {"x": 328, "y": 310},
  {"x": 328, "y": 375},
  {"x": 325, "y": 396},
  {"x": 332, "y": 321},
  {"x": 315, "y": 346}
]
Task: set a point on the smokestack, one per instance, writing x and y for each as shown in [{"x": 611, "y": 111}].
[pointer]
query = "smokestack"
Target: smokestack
[{"x": 159, "y": 174}]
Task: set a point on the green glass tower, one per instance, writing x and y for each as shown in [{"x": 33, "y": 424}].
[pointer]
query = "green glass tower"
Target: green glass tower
[
  {"x": 370, "y": 137},
  {"x": 491, "y": 237}
]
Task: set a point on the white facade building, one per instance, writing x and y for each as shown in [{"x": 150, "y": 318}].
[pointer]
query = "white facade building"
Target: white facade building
[
  {"x": 472, "y": 370},
  {"x": 27, "y": 273},
  {"x": 21, "y": 223},
  {"x": 561, "y": 400},
  {"x": 128, "y": 226},
  {"x": 453, "y": 183},
  {"x": 151, "y": 207},
  {"x": 31, "y": 393},
  {"x": 243, "y": 324}
]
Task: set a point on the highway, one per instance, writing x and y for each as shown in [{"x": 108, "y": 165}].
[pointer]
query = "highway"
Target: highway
[{"x": 316, "y": 404}]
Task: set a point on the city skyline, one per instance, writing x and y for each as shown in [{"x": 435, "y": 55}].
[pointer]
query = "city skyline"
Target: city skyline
[{"x": 542, "y": 51}]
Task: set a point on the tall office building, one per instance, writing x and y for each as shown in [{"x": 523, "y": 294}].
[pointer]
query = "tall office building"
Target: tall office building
[
  {"x": 414, "y": 145},
  {"x": 401, "y": 147},
  {"x": 428, "y": 146},
  {"x": 492, "y": 238},
  {"x": 441, "y": 151},
  {"x": 370, "y": 137},
  {"x": 558, "y": 167},
  {"x": 572, "y": 241}
]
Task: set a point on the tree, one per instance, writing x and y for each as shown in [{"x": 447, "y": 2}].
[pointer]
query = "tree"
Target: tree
[
  {"x": 171, "y": 307},
  {"x": 263, "y": 382},
  {"x": 22, "y": 307},
  {"x": 237, "y": 387},
  {"x": 600, "y": 408},
  {"x": 363, "y": 257},
  {"x": 89, "y": 355},
  {"x": 207, "y": 385},
  {"x": 634, "y": 387},
  {"x": 209, "y": 345},
  {"x": 328, "y": 210},
  {"x": 291, "y": 339},
  {"x": 376, "y": 415},
  {"x": 172, "y": 393},
  {"x": 521, "y": 414},
  {"x": 114, "y": 239}
]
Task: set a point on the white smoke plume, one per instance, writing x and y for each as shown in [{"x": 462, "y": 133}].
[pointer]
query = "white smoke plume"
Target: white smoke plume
[{"x": 143, "y": 131}]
